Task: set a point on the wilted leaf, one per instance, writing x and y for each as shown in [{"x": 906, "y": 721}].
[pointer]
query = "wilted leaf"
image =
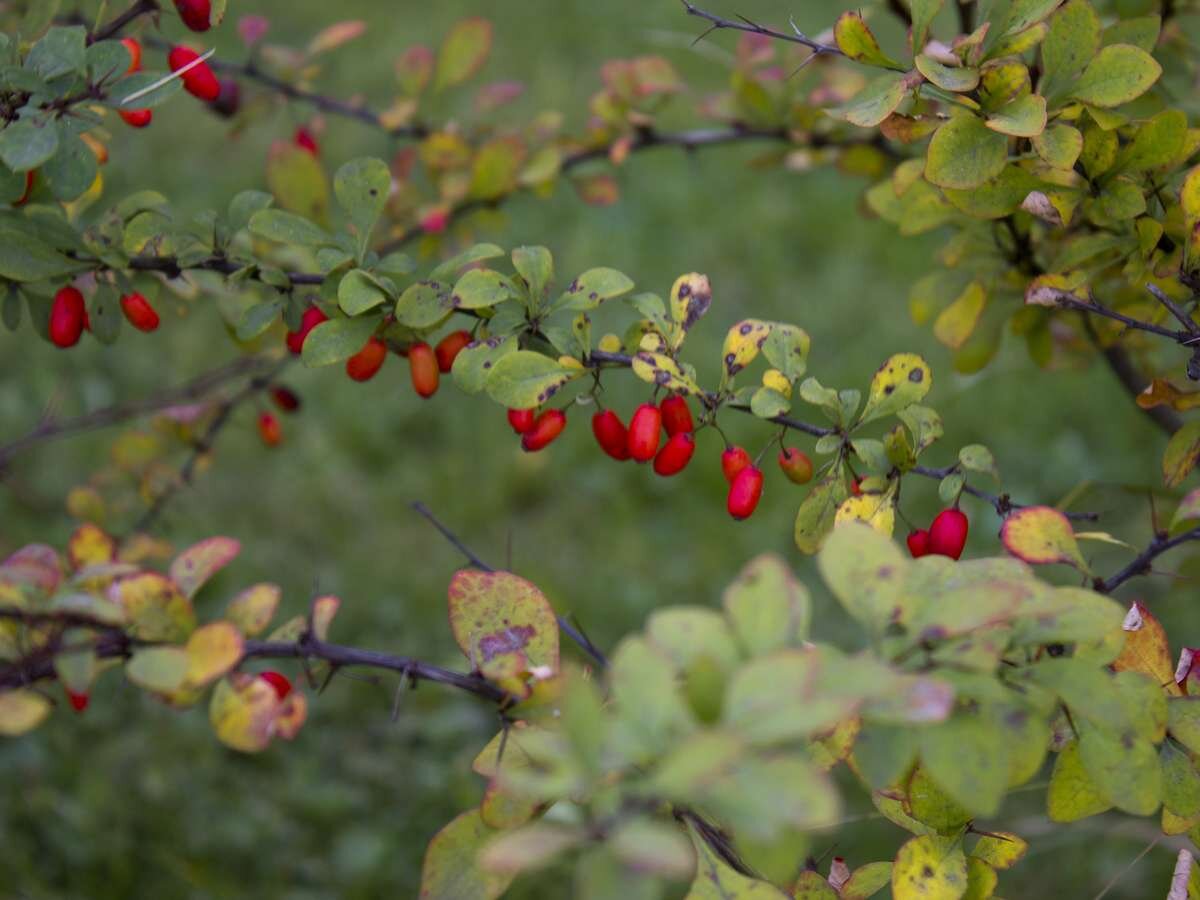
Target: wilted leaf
[
  {"x": 495, "y": 613},
  {"x": 1041, "y": 535},
  {"x": 192, "y": 568}
]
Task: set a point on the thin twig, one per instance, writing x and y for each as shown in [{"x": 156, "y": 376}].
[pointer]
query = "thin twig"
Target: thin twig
[
  {"x": 117, "y": 24},
  {"x": 1141, "y": 564},
  {"x": 795, "y": 36},
  {"x": 1002, "y": 503}
]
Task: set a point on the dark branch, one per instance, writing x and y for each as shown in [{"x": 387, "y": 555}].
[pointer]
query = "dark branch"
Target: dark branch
[
  {"x": 1002, "y": 503},
  {"x": 795, "y": 36},
  {"x": 117, "y": 24},
  {"x": 1140, "y": 565}
]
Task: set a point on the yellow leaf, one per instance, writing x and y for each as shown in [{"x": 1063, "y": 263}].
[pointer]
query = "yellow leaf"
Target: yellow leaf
[
  {"x": 155, "y": 607},
  {"x": 1147, "y": 649},
  {"x": 323, "y": 611},
  {"x": 1041, "y": 535},
  {"x": 1189, "y": 195},
  {"x": 1000, "y": 849},
  {"x": 1072, "y": 794},
  {"x": 90, "y": 546},
  {"x": 930, "y": 867},
  {"x": 21, "y": 711},
  {"x": 855, "y": 39},
  {"x": 691, "y": 296},
  {"x": 212, "y": 651},
  {"x": 904, "y": 379},
  {"x": 957, "y": 321},
  {"x": 742, "y": 345},
  {"x": 1160, "y": 392},
  {"x": 252, "y": 609},
  {"x": 659, "y": 369},
  {"x": 877, "y": 510}
]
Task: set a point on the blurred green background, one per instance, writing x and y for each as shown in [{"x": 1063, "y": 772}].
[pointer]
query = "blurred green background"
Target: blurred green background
[{"x": 132, "y": 799}]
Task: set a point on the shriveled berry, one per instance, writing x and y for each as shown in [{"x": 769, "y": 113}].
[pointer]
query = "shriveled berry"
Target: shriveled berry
[
  {"x": 422, "y": 365},
  {"x": 745, "y": 492},
  {"x": 68, "y": 317},
  {"x": 948, "y": 533},
  {"x": 363, "y": 365},
  {"x": 644, "y": 432},
  {"x": 229, "y": 98},
  {"x": 79, "y": 701},
  {"x": 611, "y": 434},
  {"x": 285, "y": 398},
  {"x": 139, "y": 312},
  {"x": 269, "y": 429},
  {"x": 675, "y": 454},
  {"x": 545, "y": 429},
  {"x": 279, "y": 681},
  {"x": 311, "y": 319},
  {"x": 521, "y": 420},
  {"x": 306, "y": 140},
  {"x": 918, "y": 543},
  {"x": 796, "y": 465},
  {"x": 676, "y": 416},
  {"x": 135, "y": 55},
  {"x": 196, "y": 14},
  {"x": 733, "y": 460},
  {"x": 449, "y": 347},
  {"x": 136, "y": 118},
  {"x": 199, "y": 81}
]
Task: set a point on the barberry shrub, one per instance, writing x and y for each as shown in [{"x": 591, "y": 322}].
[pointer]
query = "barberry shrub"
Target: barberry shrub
[{"x": 712, "y": 750}]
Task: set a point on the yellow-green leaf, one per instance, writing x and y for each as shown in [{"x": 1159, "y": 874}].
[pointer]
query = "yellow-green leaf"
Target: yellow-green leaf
[
  {"x": 154, "y": 607},
  {"x": 660, "y": 369},
  {"x": 525, "y": 379},
  {"x": 463, "y": 52},
  {"x": 212, "y": 650},
  {"x": 964, "y": 153},
  {"x": 192, "y": 568},
  {"x": 1072, "y": 794},
  {"x": 949, "y": 78},
  {"x": 1023, "y": 117},
  {"x": 1059, "y": 145},
  {"x": 855, "y": 39},
  {"x": 1117, "y": 74},
  {"x": 497, "y": 613},
  {"x": 159, "y": 669},
  {"x": 715, "y": 880},
  {"x": 252, "y": 610},
  {"x": 1146, "y": 648},
  {"x": 1000, "y": 849},
  {"x": 1183, "y": 450},
  {"x": 21, "y": 710},
  {"x": 902, "y": 380},
  {"x": 1041, "y": 535},
  {"x": 876, "y": 101},
  {"x": 930, "y": 867},
  {"x": 957, "y": 322}
]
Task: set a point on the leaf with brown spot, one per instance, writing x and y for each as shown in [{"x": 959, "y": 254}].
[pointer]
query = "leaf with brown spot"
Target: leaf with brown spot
[
  {"x": 494, "y": 613},
  {"x": 691, "y": 296},
  {"x": 903, "y": 379},
  {"x": 659, "y": 369},
  {"x": 742, "y": 345},
  {"x": 1147, "y": 649},
  {"x": 192, "y": 568}
]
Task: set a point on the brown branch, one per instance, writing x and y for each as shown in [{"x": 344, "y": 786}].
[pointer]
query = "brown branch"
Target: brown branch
[
  {"x": 1140, "y": 565},
  {"x": 115, "y": 26},
  {"x": 171, "y": 268},
  {"x": 1134, "y": 382},
  {"x": 795, "y": 36},
  {"x": 198, "y": 388},
  {"x": 1002, "y": 503}
]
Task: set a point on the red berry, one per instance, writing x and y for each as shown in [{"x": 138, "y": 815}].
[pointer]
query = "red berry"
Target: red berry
[
  {"x": 285, "y": 398},
  {"x": 79, "y": 702},
  {"x": 269, "y": 430},
  {"x": 136, "y": 118},
  {"x": 745, "y": 492},
  {"x": 68, "y": 317},
  {"x": 796, "y": 465},
  {"x": 449, "y": 347},
  {"x": 521, "y": 420},
  {"x": 545, "y": 429},
  {"x": 675, "y": 454},
  {"x": 199, "y": 81},
  {"x": 305, "y": 140},
  {"x": 311, "y": 319},
  {"x": 856, "y": 486},
  {"x": 644, "y": 430},
  {"x": 918, "y": 543},
  {"x": 363, "y": 365},
  {"x": 196, "y": 14},
  {"x": 733, "y": 460},
  {"x": 279, "y": 681},
  {"x": 135, "y": 55},
  {"x": 139, "y": 312},
  {"x": 422, "y": 365},
  {"x": 676, "y": 416},
  {"x": 611, "y": 434},
  {"x": 948, "y": 533}
]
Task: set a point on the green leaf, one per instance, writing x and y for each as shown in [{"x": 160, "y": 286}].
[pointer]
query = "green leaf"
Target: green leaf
[
  {"x": 477, "y": 253},
  {"x": 1059, "y": 145},
  {"x": 902, "y": 380},
  {"x": 359, "y": 291},
  {"x": 129, "y": 85},
  {"x": 423, "y": 304},
  {"x": 60, "y": 51},
  {"x": 1023, "y": 117},
  {"x": 258, "y": 318},
  {"x": 536, "y": 266},
  {"x": 866, "y": 881},
  {"x": 767, "y": 403},
  {"x": 593, "y": 287},
  {"x": 652, "y": 712},
  {"x": 496, "y": 613},
  {"x": 814, "y": 519},
  {"x": 25, "y": 258},
  {"x": 72, "y": 170},
  {"x": 162, "y": 670},
  {"x": 287, "y": 228},
  {"x": 298, "y": 181},
  {"x": 361, "y": 187},
  {"x": 26, "y": 144},
  {"x": 21, "y": 710},
  {"x": 451, "y": 870},
  {"x": 930, "y": 867},
  {"x": 244, "y": 205},
  {"x": 1124, "y": 768},
  {"x": 923, "y": 13},
  {"x": 717, "y": 881},
  {"x": 767, "y": 607},
  {"x": 949, "y": 78},
  {"x": 525, "y": 380},
  {"x": 480, "y": 288},
  {"x": 475, "y": 362},
  {"x": 1157, "y": 143},
  {"x": 1180, "y": 780},
  {"x": 463, "y": 52},
  {"x": 865, "y": 572},
  {"x": 1117, "y": 74},
  {"x": 856, "y": 41},
  {"x": 1181, "y": 455},
  {"x": 786, "y": 349},
  {"x": 876, "y": 101},
  {"x": 1023, "y": 14},
  {"x": 968, "y": 757},
  {"x": 964, "y": 153},
  {"x": 978, "y": 458},
  {"x": 337, "y": 340}
]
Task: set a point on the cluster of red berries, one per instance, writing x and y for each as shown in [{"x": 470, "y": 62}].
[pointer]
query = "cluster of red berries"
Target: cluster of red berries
[
  {"x": 426, "y": 364},
  {"x": 69, "y": 315},
  {"x": 946, "y": 536},
  {"x": 642, "y": 442}
]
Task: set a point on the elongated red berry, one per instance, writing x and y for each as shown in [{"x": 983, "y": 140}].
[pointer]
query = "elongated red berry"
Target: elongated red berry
[
  {"x": 269, "y": 429},
  {"x": 363, "y": 365},
  {"x": 199, "y": 81},
  {"x": 644, "y": 434},
  {"x": 136, "y": 118},
  {"x": 948, "y": 533},
  {"x": 545, "y": 429},
  {"x": 611, "y": 434},
  {"x": 745, "y": 492},
  {"x": 676, "y": 416},
  {"x": 521, "y": 420},
  {"x": 68, "y": 317},
  {"x": 135, "y": 55},
  {"x": 79, "y": 702},
  {"x": 139, "y": 312},
  {"x": 311, "y": 319},
  {"x": 796, "y": 465},
  {"x": 279, "y": 681},
  {"x": 196, "y": 14},
  {"x": 306, "y": 140},
  {"x": 918, "y": 543},
  {"x": 675, "y": 454},
  {"x": 285, "y": 398},
  {"x": 733, "y": 460},
  {"x": 422, "y": 365},
  {"x": 449, "y": 347}
]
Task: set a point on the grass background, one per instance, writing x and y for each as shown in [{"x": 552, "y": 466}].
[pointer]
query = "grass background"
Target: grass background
[{"x": 135, "y": 800}]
